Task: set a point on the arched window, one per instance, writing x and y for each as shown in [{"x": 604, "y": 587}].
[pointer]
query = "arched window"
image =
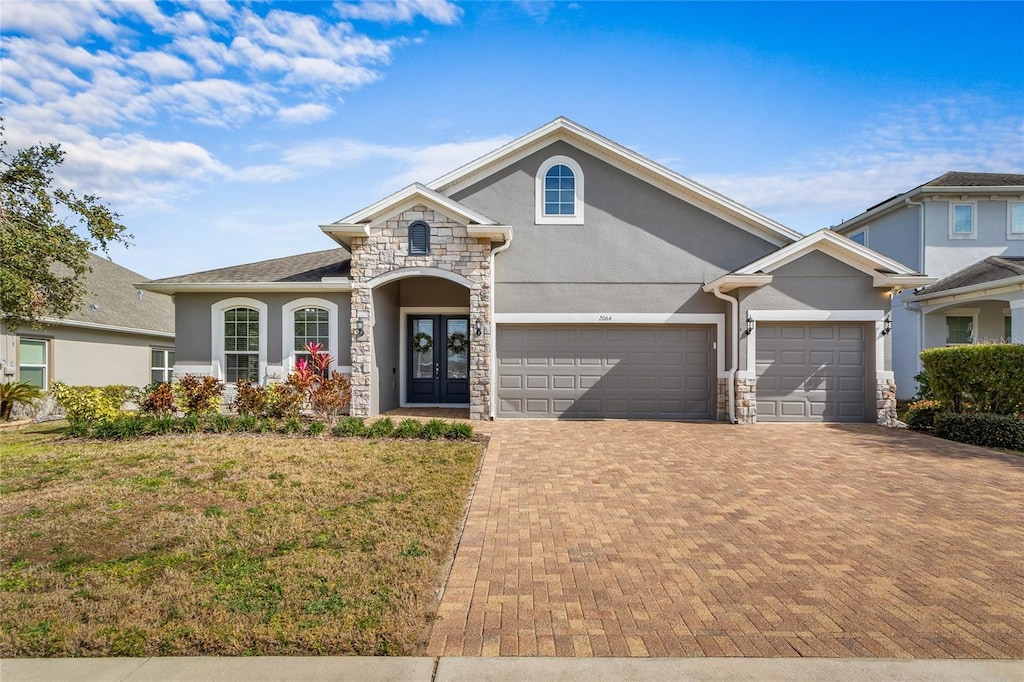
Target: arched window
[
  {"x": 419, "y": 237},
  {"x": 312, "y": 325},
  {"x": 560, "y": 192},
  {"x": 305, "y": 320},
  {"x": 241, "y": 344}
]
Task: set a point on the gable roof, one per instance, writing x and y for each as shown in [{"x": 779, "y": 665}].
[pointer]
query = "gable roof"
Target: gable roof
[
  {"x": 302, "y": 271},
  {"x": 114, "y": 301},
  {"x": 994, "y": 270},
  {"x": 624, "y": 159},
  {"x": 884, "y": 271},
  {"x": 953, "y": 182},
  {"x": 358, "y": 223}
]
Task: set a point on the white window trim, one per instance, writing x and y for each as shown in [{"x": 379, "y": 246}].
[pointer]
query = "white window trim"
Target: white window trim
[
  {"x": 47, "y": 347},
  {"x": 863, "y": 231},
  {"x": 541, "y": 218},
  {"x": 1009, "y": 220},
  {"x": 876, "y": 316},
  {"x": 973, "y": 234},
  {"x": 961, "y": 312},
  {"x": 217, "y": 311},
  {"x": 288, "y": 330},
  {"x": 168, "y": 371}
]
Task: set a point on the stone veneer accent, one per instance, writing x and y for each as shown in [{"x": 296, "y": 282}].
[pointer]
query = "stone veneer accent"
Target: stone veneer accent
[
  {"x": 452, "y": 249},
  {"x": 723, "y": 400},
  {"x": 885, "y": 402},
  {"x": 746, "y": 401}
]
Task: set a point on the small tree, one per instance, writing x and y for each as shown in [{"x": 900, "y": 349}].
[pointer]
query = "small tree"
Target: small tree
[{"x": 47, "y": 233}]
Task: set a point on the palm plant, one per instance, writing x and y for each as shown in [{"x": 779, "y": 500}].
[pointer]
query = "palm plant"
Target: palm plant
[{"x": 16, "y": 393}]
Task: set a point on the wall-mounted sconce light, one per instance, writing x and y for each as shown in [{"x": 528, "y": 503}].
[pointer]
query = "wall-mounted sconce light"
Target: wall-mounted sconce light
[
  {"x": 478, "y": 328},
  {"x": 750, "y": 326},
  {"x": 886, "y": 326},
  {"x": 360, "y": 329}
]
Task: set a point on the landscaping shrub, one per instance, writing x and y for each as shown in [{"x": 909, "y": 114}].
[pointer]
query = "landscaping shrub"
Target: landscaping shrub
[
  {"x": 161, "y": 425},
  {"x": 921, "y": 414},
  {"x": 291, "y": 425},
  {"x": 460, "y": 431},
  {"x": 221, "y": 423},
  {"x": 985, "y": 378},
  {"x": 349, "y": 426},
  {"x": 330, "y": 396},
  {"x": 247, "y": 422},
  {"x": 408, "y": 428},
  {"x": 77, "y": 428},
  {"x": 434, "y": 429},
  {"x": 315, "y": 428},
  {"x": 120, "y": 428},
  {"x": 190, "y": 423},
  {"x": 979, "y": 428},
  {"x": 199, "y": 395},
  {"x": 250, "y": 398},
  {"x": 924, "y": 386},
  {"x": 86, "y": 403},
  {"x": 159, "y": 400},
  {"x": 283, "y": 400},
  {"x": 16, "y": 393},
  {"x": 382, "y": 428}
]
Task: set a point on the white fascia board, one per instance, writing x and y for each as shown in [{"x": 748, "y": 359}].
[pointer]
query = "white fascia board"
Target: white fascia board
[
  {"x": 327, "y": 284},
  {"x": 106, "y": 327},
  {"x": 727, "y": 283},
  {"x": 497, "y": 233},
  {"x": 903, "y": 281},
  {"x": 899, "y": 200},
  {"x": 975, "y": 291},
  {"x": 837, "y": 246},
  {"x": 816, "y": 315},
  {"x": 410, "y": 196},
  {"x": 628, "y": 161},
  {"x": 343, "y": 233},
  {"x": 974, "y": 190}
]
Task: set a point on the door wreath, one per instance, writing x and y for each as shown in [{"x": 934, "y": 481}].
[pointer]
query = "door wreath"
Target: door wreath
[
  {"x": 457, "y": 343},
  {"x": 422, "y": 342}
]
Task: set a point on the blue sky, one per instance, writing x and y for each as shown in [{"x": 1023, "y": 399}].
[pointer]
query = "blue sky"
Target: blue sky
[{"x": 226, "y": 133}]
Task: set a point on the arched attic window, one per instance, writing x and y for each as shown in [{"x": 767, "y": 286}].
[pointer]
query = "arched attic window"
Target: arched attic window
[
  {"x": 419, "y": 238},
  {"x": 559, "y": 192}
]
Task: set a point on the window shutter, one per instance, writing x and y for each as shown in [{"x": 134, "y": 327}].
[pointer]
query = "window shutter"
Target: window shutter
[{"x": 419, "y": 238}]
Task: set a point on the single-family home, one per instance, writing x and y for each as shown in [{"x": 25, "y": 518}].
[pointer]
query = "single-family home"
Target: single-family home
[
  {"x": 119, "y": 335},
  {"x": 564, "y": 276},
  {"x": 967, "y": 229}
]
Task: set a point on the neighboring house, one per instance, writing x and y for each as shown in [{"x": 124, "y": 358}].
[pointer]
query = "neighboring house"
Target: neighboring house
[
  {"x": 564, "y": 275},
  {"x": 968, "y": 230},
  {"x": 119, "y": 335}
]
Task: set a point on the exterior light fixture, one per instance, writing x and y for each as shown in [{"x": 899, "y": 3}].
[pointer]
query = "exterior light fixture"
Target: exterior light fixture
[
  {"x": 360, "y": 329},
  {"x": 478, "y": 328},
  {"x": 886, "y": 326},
  {"x": 750, "y": 325}
]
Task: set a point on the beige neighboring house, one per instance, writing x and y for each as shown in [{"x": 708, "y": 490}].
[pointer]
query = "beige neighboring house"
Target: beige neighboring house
[{"x": 120, "y": 335}]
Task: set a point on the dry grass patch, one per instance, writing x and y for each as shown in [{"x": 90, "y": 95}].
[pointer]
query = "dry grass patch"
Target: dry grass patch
[{"x": 224, "y": 544}]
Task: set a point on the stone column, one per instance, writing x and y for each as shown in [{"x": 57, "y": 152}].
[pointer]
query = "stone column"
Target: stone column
[
  {"x": 362, "y": 350},
  {"x": 885, "y": 402},
  {"x": 746, "y": 401},
  {"x": 480, "y": 351}
]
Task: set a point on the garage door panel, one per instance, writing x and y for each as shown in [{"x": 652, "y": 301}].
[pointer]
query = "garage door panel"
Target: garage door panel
[
  {"x": 811, "y": 372},
  {"x": 662, "y": 372}
]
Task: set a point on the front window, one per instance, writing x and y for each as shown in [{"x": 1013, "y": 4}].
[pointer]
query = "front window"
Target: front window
[
  {"x": 963, "y": 220},
  {"x": 242, "y": 344},
  {"x": 559, "y": 191},
  {"x": 1016, "y": 226},
  {"x": 860, "y": 237},
  {"x": 161, "y": 366},
  {"x": 959, "y": 330},
  {"x": 33, "y": 362},
  {"x": 312, "y": 325}
]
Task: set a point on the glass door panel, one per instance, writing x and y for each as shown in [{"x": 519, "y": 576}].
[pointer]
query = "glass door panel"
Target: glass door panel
[
  {"x": 457, "y": 348},
  {"x": 423, "y": 351}
]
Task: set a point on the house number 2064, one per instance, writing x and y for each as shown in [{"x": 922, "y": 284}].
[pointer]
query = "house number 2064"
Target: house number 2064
[{"x": 604, "y": 318}]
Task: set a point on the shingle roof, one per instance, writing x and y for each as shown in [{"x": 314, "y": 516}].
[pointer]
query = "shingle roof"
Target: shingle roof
[
  {"x": 305, "y": 267},
  {"x": 962, "y": 179},
  {"x": 113, "y": 299},
  {"x": 992, "y": 269}
]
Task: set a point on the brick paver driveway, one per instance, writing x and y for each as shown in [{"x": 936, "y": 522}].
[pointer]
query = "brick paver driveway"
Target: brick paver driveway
[{"x": 668, "y": 539}]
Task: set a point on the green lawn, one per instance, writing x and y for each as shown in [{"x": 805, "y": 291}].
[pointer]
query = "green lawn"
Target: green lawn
[{"x": 224, "y": 544}]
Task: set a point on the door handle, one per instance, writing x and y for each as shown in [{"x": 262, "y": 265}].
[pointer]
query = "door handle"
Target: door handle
[{"x": 437, "y": 370}]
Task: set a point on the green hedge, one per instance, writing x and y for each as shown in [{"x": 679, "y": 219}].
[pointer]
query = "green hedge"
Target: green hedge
[
  {"x": 921, "y": 415},
  {"x": 983, "y": 378},
  {"x": 987, "y": 430}
]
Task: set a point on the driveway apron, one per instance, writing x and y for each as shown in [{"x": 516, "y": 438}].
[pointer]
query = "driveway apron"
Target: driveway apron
[{"x": 704, "y": 539}]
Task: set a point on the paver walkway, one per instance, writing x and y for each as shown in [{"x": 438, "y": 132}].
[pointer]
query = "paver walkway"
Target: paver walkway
[{"x": 669, "y": 539}]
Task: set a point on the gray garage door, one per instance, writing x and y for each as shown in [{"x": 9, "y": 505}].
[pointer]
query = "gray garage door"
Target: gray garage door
[
  {"x": 810, "y": 372},
  {"x": 615, "y": 372}
]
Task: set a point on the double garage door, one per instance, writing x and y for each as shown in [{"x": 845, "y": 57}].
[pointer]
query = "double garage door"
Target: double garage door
[
  {"x": 811, "y": 372},
  {"x": 605, "y": 371}
]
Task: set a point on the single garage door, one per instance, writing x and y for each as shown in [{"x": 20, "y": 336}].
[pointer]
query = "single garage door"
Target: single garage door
[
  {"x": 811, "y": 372},
  {"x": 615, "y": 372}
]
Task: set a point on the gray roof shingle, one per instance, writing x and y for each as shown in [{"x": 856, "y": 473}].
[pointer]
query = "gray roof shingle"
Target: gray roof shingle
[
  {"x": 992, "y": 269},
  {"x": 112, "y": 299},
  {"x": 305, "y": 267},
  {"x": 962, "y": 179}
]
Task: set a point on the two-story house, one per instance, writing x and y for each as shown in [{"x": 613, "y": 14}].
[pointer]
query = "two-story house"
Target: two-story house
[{"x": 967, "y": 229}]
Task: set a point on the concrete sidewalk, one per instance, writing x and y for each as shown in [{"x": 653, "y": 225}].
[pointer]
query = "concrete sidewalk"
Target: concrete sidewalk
[{"x": 453, "y": 669}]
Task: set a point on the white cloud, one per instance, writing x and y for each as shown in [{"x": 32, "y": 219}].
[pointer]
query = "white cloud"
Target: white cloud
[
  {"x": 400, "y": 11},
  {"x": 162, "y": 66},
  {"x": 304, "y": 113},
  {"x": 55, "y": 20}
]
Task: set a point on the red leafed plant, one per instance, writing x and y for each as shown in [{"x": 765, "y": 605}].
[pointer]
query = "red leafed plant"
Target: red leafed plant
[{"x": 326, "y": 392}]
